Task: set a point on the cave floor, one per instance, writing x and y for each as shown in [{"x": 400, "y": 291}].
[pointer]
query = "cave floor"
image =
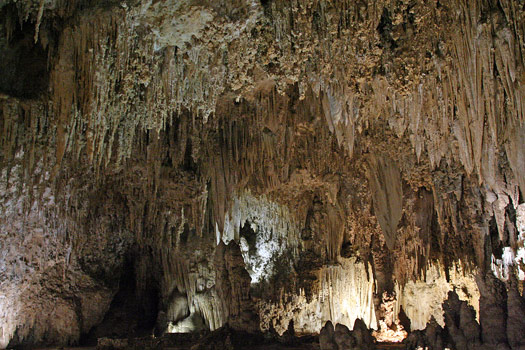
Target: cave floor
[
  {"x": 311, "y": 346},
  {"x": 379, "y": 346}
]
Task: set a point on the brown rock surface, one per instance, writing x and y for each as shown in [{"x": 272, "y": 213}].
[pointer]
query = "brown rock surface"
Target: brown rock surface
[
  {"x": 326, "y": 337},
  {"x": 157, "y": 156},
  {"x": 342, "y": 338}
]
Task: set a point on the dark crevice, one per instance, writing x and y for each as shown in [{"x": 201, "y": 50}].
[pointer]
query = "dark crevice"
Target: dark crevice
[
  {"x": 495, "y": 244},
  {"x": 250, "y": 235},
  {"x": 265, "y": 3},
  {"x": 404, "y": 320},
  {"x": 131, "y": 313},
  {"x": 189, "y": 164},
  {"x": 23, "y": 66},
  {"x": 186, "y": 233},
  {"x": 384, "y": 28}
]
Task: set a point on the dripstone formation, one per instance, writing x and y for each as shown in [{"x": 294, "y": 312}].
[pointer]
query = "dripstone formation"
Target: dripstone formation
[{"x": 247, "y": 173}]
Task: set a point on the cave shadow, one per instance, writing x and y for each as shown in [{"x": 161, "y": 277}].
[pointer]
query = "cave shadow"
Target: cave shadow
[{"x": 132, "y": 313}]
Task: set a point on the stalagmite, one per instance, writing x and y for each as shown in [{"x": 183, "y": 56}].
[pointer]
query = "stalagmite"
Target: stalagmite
[{"x": 262, "y": 170}]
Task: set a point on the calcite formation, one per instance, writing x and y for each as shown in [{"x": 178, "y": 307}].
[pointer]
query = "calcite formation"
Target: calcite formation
[{"x": 265, "y": 165}]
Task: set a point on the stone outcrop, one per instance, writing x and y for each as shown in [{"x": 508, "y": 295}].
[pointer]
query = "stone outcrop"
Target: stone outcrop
[
  {"x": 326, "y": 337},
  {"x": 515, "y": 311},
  {"x": 341, "y": 338},
  {"x": 259, "y": 164},
  {"x": 493, "y": 311},
  {"x": 233, "y": 288},
  {"x": 499, "y": 324},
  {"x": 461, "y": 324},
  {"x": 433, "y": 337}
]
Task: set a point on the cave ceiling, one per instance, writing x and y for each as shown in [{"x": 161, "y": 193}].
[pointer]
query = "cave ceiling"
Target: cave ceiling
[{"x": 253, "y": 163}]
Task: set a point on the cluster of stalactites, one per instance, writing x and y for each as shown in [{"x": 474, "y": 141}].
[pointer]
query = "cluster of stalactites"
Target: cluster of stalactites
[
  {"x": 345, "y": 292},
  {"x": 110, "y": 80}
]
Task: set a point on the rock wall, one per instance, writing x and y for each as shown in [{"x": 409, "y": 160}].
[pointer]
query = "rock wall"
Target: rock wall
[{"x": 349, "y": 148}]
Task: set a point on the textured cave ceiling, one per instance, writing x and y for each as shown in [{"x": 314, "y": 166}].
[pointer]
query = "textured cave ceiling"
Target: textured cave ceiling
[{"x": 182, "y": 165}]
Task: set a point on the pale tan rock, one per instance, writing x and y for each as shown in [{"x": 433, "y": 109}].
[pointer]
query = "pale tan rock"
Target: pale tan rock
[{"x": 367, "y": 142}]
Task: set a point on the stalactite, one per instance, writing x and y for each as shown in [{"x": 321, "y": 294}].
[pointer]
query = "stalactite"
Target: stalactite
[
  {"x": 338, "y": 129},
  {"x": 275, "y": 229},
  {"x": 345, "y": 293},
  {"x": 435, "y": 286},
  {"x": 385, "y": 184}
]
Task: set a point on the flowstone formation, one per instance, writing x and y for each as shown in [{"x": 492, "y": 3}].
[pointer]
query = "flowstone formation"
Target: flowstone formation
[{"x": 262, "y": 167}]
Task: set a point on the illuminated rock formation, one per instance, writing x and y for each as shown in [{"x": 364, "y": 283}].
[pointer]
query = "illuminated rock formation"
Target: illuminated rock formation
[{"x": 258, "y": 164}]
